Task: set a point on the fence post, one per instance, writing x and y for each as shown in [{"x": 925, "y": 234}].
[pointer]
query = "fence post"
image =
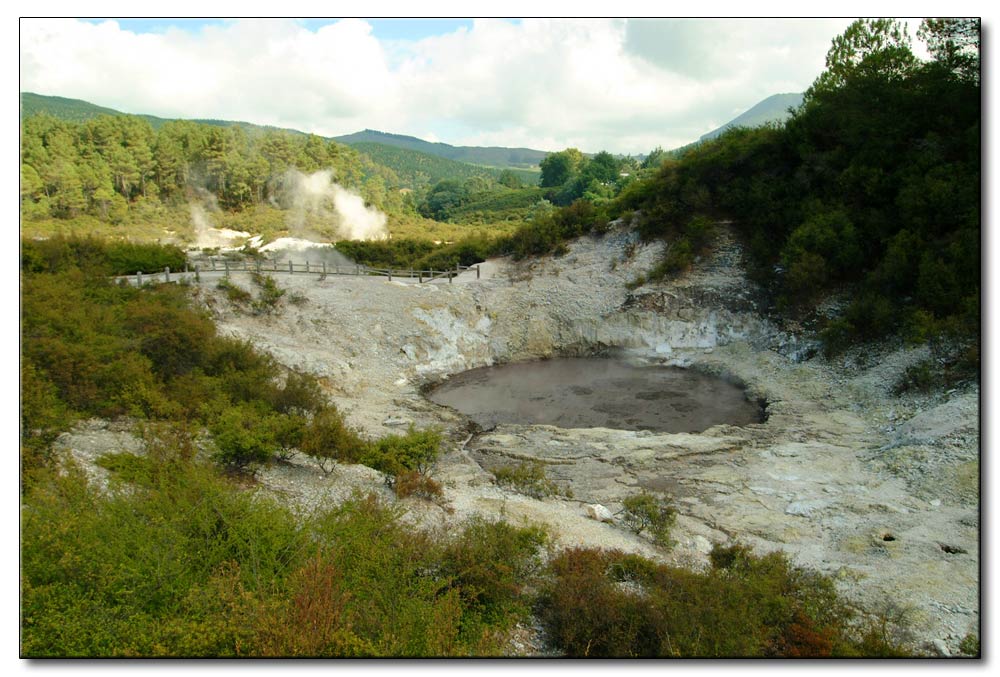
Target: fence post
[
  {"x": 420, "y": 276},
  {"x": 212, "y": 259},
  {"x": 138, "y": 279},
  {"x": 307, "y": 265},
  {"x": 357, "y": 269},
  {"x": 477, "y": 271},
  {"x": 185, "y": 265},
  {"x": 324, "y": 268},
  {"x": 197, "y": 272},
  {"x": 390, "y": 275},
  {"x": 258, "y": 266},
  {"x": 291, "y": 269},
  {"x": 166, "y": 274},
  {"x": 226, "y": 262}
]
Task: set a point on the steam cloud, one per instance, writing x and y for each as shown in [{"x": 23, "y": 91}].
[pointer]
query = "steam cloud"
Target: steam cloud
[
  {"x": 315, "y": 205},
  {"x": 317, "y": 198},
  {"x": 206, "y": 235}
]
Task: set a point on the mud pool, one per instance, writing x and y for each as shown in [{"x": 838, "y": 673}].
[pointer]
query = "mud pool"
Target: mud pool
[{"x": 596, "y": 392}]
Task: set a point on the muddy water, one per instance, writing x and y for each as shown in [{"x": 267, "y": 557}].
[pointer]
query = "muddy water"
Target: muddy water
[{"x": 593, "y": 392}]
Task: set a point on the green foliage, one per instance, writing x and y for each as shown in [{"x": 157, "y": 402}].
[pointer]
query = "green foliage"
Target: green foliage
[
  {"x": 327, "y": 439},
  {"x": 245, "y": 436},
  {"x": 443, "y": 199},
  {"x": 395, "y": 253},
  {"x": 509, "y": 179},
  {"x": 869, "y": 48},
  {"x": 970, "y": 645},
  {"x": 645, "y": 512},
  {"x": 415, "y": 483},
  {"x": 548, "y": 232},
  {"x": 93, "y": 348},
  {"x": 608, "y": 604},
  {"x": 269, "y": 294},
  {"x": 881, "y": 203},
  {"x": 177, "y": 561},
  {"x": 559, "y": 168},
  {"x": 419, "y": 170},
  {"x": 492, "y": 564},
  {"x": 98, "y": 257},
  {"x": 395, "y": 454},
  {"x": 527, "y": 477},
  {"x": 954, "y": 43},
  {"x": 235, "y": 293},
  {"x": 920, "y": 377}
]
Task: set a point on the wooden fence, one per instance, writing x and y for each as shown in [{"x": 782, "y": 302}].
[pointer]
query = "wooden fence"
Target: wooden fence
[{"x": 214, "y": 267}]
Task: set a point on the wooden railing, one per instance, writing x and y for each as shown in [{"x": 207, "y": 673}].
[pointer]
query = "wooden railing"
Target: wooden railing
[{"x": 213, "y": 267}]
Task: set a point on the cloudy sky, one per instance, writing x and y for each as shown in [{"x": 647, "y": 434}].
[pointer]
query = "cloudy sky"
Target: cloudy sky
[{"x": 622, "y": 85}]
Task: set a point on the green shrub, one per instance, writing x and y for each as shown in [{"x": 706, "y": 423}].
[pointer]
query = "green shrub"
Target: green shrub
[
  {"x": 970, "y": 645},
  {"x": 245, "y": 436},
  {"x": 269, "y": 294},
  {"x": 236, "y": 294},
  {"x": 492, "y": 564},
  {"x": 415, "y": 483},
  {"x": 645, "y": 512},
  {"x": 920, "y": 376},
  {"x": 328, "y": 439},
  {"x": 393, "y": 455},
  {"x": 527, "y": 477},
  {"x": 608, "y": 604},
  {"x": 127, "y": 258}
]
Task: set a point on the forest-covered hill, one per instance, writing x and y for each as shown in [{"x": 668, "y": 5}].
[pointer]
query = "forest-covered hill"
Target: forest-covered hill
[{"x": 490, "y": 156}]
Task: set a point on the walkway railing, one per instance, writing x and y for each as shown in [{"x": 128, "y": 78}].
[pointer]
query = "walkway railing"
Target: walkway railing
[{"x": 215, "y": 267}]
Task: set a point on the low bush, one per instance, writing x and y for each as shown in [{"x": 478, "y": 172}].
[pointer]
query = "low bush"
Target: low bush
[
  {"x": 415, "y": 483},
  {"x": 645, "y": 512},
  {"x": 493, "y": 565},
  {"x": 327, "y": 439},
  {"x": 605, "y": 603},
  {"x": 394, "y": 455},
  {"x": 269, "y": 294},
  {"x": 245, "y": 436},
  {"x": 235, "y": 293},
  {"x": 527, "y": 477}
]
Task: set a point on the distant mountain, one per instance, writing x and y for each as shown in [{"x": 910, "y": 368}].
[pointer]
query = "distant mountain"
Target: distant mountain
[
  {"x": 78, "y": 110},
  {"x": 419, "y": 169},
  {"x": 772, "y": 109},
  {"x": 490, "y": 156},
  {"x": 60, "y": 107},
  {"x": 418, "y": 163}
]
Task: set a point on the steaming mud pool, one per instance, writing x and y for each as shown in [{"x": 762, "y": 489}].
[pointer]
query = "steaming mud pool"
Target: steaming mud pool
[{"x": 596, "y": 392}]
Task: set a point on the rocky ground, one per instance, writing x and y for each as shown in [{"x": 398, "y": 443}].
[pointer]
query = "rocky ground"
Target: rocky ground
[{"x": 879, "y": 491}]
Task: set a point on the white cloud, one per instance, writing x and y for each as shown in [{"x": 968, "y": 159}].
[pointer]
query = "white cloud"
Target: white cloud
[{"x": 624, "y": 86}]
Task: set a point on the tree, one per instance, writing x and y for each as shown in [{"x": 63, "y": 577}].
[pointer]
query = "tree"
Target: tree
[
  {"x": 877, "y": 48},
  {"x": 559, "y": 168},
  {"x": 603, "y": 168},
  {"x": 445, "y": 197},
  {"x": 954, "y": 43},
  {"x": 655, "y": 158},
  {"x": 509, "y": 179}
]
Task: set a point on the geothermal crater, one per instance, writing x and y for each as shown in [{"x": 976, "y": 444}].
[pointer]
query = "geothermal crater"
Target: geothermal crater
[
  {"x": 596, "y": 392},
  {"x": 840, "y": 463}
]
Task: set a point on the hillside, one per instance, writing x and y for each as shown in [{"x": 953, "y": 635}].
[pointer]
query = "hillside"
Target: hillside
[
  {"x": 491, "y": 156},
  {"x": 78, "y": 110},
  {"x": 772, "y": 109},
  {"x": 418, "y": 169}
]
